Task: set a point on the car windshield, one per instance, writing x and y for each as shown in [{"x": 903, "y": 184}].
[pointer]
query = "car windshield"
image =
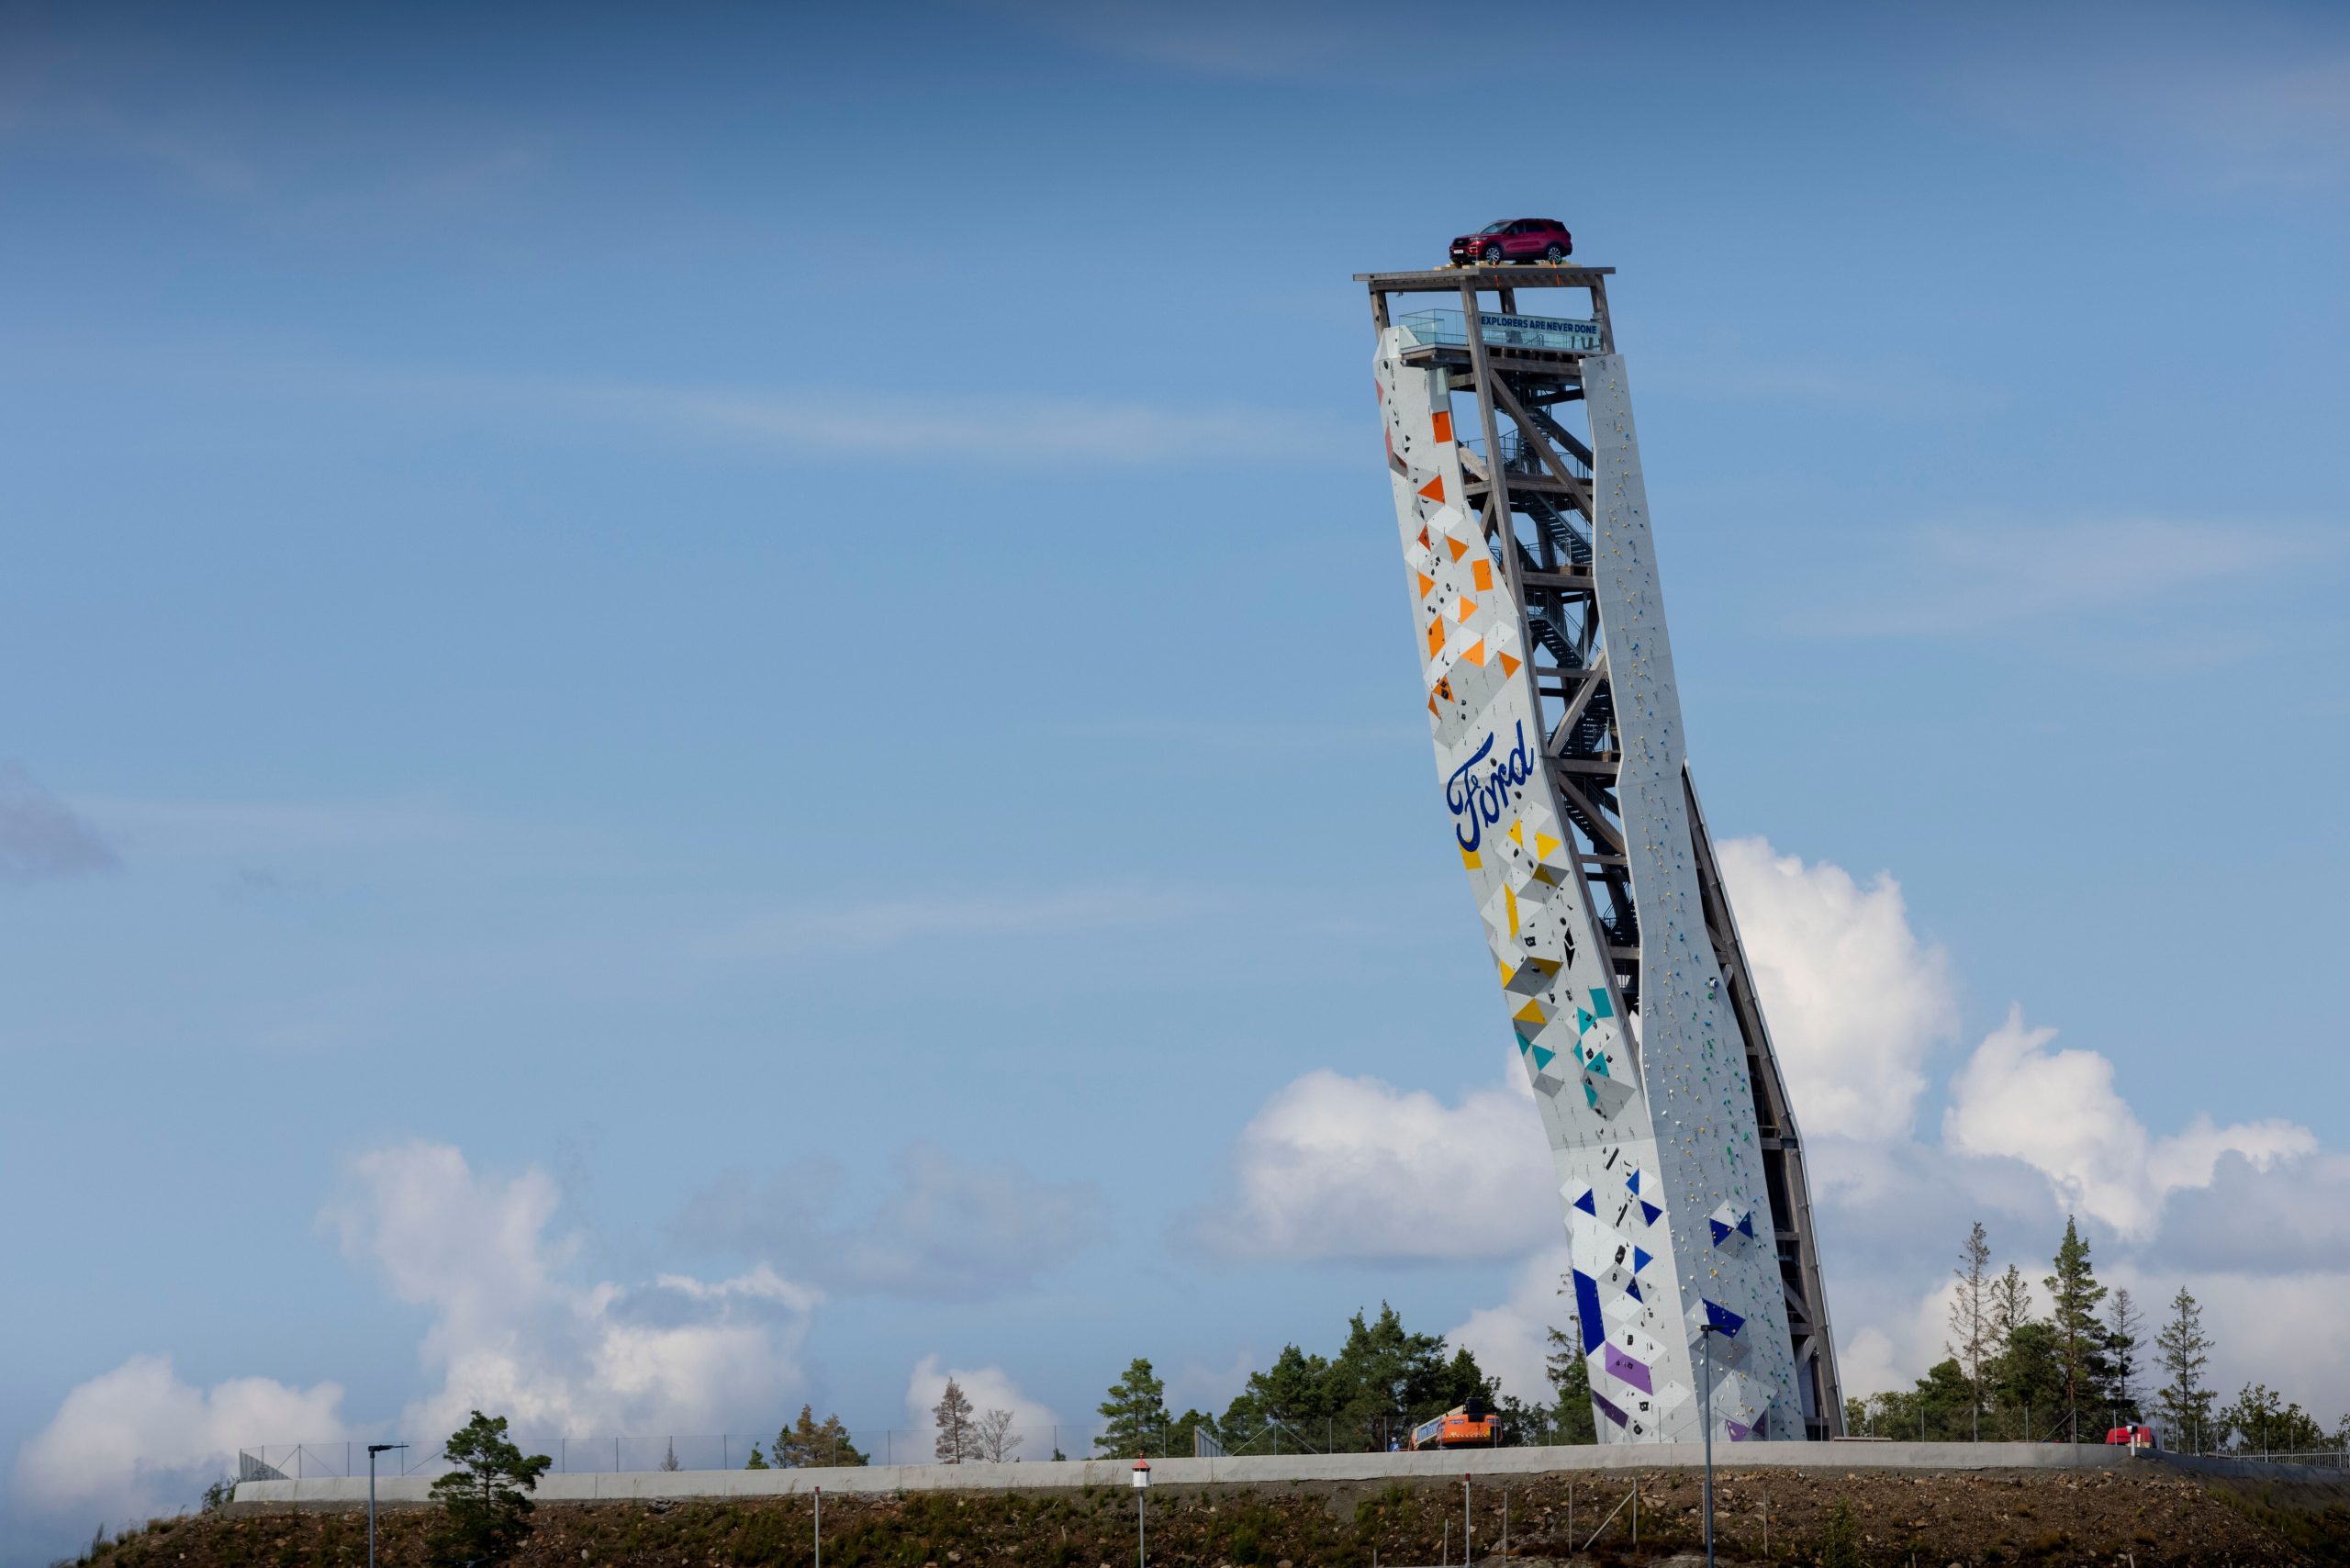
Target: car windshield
[{"x": 1493, "y": 228}]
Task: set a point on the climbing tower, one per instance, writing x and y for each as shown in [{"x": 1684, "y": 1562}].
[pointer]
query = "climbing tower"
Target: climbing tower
[{"x": 1564, "y": 771}]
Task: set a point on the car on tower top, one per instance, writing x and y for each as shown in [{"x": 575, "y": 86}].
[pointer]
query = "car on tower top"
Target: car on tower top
[{"x": 1514, "y": 240}]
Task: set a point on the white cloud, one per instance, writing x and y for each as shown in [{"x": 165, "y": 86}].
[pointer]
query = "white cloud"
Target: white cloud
[
  {"x": 138, "y": 1442},
  {"x": 1512, "y": 1341},
  {"x": 1854, "y": 1001},
  {"x": 511, "y": 1335},
  {"x": 988, "y": 1388},
  {"x": 2058, "y": 1112},
  {"x": 1339, "y": 1167}
]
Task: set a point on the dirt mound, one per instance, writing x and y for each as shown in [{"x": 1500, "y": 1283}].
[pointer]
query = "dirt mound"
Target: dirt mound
[{"x": 2138, "y": 1518}]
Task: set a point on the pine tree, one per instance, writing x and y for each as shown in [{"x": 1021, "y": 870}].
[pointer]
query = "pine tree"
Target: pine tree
[
  {"x": 809, "y": 1442},
  {"x": 2080, "y": 1339},
  {"x": 486, "y": 1510},
  {"x": 757, "y": 1459},
  {"x": 1134, "y": 1413},
  {"x": 1971, "y": 1318},
  {"x": 957, "y": 1441},
  {"x": 2185, "y": 1401},
  {"x": 2262, "y": 1421},
  {"x": 2010, "y": 1304},
  {"x": 1569, "y": 1374},
  {"x": 2122, "y": 1323}
]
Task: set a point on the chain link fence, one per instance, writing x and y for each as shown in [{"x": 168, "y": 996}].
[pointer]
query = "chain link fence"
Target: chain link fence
[{"x": 980, "y": 1444}]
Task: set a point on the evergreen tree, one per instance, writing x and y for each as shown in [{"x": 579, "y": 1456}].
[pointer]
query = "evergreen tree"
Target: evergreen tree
[
  {"x": 1971, "y": 1319},
  {"x": 2184, "y": 1402},
  {"x": 1180, "y": 1440},
  {"x": 808, "y": 1442},
  {"x": 957, "y": 1441},
  {"x": 1278, "y": 1405},
  {"x": 484, "y": 1503},
  {"x": 2074, "y": 1294},
  {"x": 2028, "y": 1381},
  {"x": 2123, "y": 1322},
  {"x": 1573, "y": 1419},
  {"x": 2010, "y": 1304},
  {"x": 1134, "y": 1414},
  {"x": 2261, "y": 1421},
  {"x": 1386, "y": 1379},
  {"x": 757, "y": 1459}
]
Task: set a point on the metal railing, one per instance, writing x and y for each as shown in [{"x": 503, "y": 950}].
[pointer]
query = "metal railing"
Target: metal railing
[
  {"x": 1520, "y": 456},
  {"x": 1448, "y": 329}
]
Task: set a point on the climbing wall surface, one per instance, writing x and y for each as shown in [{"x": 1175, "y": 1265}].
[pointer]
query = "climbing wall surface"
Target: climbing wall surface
[{"x": 1651, "y": 1127}]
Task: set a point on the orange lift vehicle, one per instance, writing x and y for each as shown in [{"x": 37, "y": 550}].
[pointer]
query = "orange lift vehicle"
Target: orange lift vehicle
[{"x": 1462, "y": 1427}]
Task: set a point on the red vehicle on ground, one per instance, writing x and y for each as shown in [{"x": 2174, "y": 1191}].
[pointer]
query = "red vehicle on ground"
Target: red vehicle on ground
[
  {"x": 1514, "y": 240},
  {"x": 2131, "y": 1438}
]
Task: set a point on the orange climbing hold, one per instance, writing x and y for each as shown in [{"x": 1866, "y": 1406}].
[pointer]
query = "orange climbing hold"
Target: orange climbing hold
[
  {"x": 1434, "y": 489},
  {"x": 1482, "y": 571},
  {"x": 1443, "y": 423}
]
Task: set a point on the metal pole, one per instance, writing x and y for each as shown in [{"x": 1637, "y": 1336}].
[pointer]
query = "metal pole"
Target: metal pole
[
  {"x": 1142, "y": 1529},
  {"x": 1467, "y": 1528},
  {"x": 373, "y": 1450},
  {"x": 820, "y": 1528},
  {"x": 1706, "y": 1415}
]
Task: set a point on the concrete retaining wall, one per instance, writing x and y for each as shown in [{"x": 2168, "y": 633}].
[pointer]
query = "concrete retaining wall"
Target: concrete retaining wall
[{"x": 1246, "y": 1471}]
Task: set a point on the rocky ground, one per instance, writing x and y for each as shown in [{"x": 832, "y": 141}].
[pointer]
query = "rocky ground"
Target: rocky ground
[{"x": 2138, "y": 1518}]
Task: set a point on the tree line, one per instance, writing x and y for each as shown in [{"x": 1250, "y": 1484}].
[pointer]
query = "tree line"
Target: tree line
[{"x": 2012, "y": 1374}]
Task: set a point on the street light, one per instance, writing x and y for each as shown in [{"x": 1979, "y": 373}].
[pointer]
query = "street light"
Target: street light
[
  {"x": 1706, "y": 1416},
  {"x": 373, "y": 1450},
  {"x": 1142, "y": 1490}
]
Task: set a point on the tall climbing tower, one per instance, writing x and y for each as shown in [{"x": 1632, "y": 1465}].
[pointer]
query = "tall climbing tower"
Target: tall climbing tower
[{"x": 1564, "y": 767}]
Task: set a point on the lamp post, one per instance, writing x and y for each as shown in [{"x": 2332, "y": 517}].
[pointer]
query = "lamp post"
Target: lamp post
[
  {"x": 1142, "y": 1490},
  {"x": 373, "y": 1450},
  {"x": 1706, "y": 1415}
]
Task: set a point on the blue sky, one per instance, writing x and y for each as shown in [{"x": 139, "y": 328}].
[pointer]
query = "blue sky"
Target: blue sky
[{"x": 780, "y": 634}]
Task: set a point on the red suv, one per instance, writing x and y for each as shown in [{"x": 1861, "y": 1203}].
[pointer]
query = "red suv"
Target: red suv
[{"x": 1518, "y": 239}]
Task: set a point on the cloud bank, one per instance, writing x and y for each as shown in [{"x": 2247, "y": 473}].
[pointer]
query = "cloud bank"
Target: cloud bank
[
  {"x": 511, "y": 1332},
  {"x": 1861, "y": 1010}
]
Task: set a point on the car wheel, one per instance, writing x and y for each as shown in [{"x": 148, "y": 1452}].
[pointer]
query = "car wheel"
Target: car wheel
[
  {"x": 1493, "y": 255},
  {"x": 1554, "y": 255}
]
